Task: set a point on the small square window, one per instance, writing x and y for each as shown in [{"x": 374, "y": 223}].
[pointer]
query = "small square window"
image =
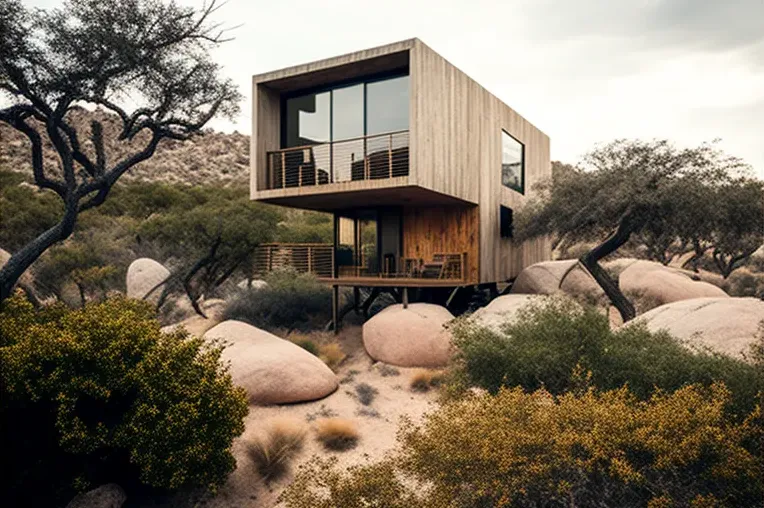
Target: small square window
[
  {"x": 512, "y": 163},
  {"x": 505, "y": 221}
]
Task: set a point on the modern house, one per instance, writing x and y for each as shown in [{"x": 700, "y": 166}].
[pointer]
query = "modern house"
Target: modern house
[{"x": 420, "y": 165}]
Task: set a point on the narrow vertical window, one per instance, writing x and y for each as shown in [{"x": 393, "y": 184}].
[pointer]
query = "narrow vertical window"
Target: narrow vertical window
[
  {"x": 505, "y": 222},
  {"x": 512, "y": 163}
]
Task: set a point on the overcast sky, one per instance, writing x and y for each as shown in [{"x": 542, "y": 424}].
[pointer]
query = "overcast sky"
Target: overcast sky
[{"x": 583, "y": 71}]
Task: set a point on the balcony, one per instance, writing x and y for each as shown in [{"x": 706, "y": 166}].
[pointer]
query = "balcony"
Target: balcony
[
  {"x": 444, "y": 269},
  {"x": 365, "y": 158}
]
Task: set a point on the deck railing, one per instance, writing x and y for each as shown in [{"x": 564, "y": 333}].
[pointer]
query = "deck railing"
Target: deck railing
[
  {"x": 315, "y": 258},
  {"x": 318, "y": 259},
  {"x": 364, "y": 158}
]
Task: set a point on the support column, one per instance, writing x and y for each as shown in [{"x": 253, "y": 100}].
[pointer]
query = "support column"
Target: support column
[
  {"x": 405, "y": 298},
  {"x": 335, "y": 308}
]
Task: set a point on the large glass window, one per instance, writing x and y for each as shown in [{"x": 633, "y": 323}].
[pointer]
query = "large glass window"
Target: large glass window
[
  {"x": 307, "y": 119},
  {"x": 347, "y": 112},
  {"x": 387, "y": 105},
  {"x": 512, "y": 163}
]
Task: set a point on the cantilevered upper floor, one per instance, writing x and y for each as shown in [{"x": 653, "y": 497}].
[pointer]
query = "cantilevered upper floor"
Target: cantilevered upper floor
[{"x": 388, "y": 126}]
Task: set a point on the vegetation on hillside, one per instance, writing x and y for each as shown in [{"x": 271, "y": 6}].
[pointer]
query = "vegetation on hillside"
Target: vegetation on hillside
[{"x": 155, "y": 53}]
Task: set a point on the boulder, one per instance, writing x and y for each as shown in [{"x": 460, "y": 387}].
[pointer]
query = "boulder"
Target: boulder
[
  {"x": 544, "y": 279},
  {"x": 411, "y": 337},
  {"x": 654, "y": 284},
  {"x": 270, "y": 369},
  {"x": 502, "y": 309},
  {"x": 727, "y": 325},
  {"x": 110, "y": 495},
  {"x": 142, "y": 276},
  {"x": 195, "y": 324},
  {"x": 256, "y": 284}
]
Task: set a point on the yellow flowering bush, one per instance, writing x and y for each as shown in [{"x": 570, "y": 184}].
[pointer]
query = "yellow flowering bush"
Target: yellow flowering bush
[
  {"x": 99, "y": 394},
  {"x": 518, "y": 449}
]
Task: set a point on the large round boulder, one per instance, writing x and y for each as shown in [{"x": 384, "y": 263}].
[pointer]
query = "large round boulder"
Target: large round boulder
[
  {"x": 110, "y": 495},
  {"x": 270, "y": 369},
  {"x": 502, "y": 310},
  {"x": 654, "y": 284},
  {"x": 550, "y": 277},
  {"x": 410, "y": 337},
  {"x": 143, "y": 275},
  {"x": 727, "y": 325}
]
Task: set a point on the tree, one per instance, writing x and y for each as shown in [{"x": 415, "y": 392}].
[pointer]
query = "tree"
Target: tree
[
  {"x": 624, "y": 188},
  {"x": 212, "y": 241},
  {"x": 98, "y": 53},
  {"x": 738, "y": 223}
]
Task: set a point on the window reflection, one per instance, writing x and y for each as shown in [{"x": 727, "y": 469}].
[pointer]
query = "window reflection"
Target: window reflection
[
  {"x": 307, "y": 119},
  {"x": 347, "y": 112},
  {"x": 512, "y": 163},
  {"x": 387, "y": 105}
]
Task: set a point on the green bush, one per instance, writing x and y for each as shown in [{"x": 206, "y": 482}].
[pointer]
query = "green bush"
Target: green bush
[
  {"x": 291, "y": 301},
  {"x": 99, "y": 395},
  {"x": 552, "y": 344},
  {"x": 533, "y": 450}
]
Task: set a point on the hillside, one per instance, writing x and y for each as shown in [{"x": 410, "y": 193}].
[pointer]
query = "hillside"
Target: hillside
[{"x": 211, "y": 157}]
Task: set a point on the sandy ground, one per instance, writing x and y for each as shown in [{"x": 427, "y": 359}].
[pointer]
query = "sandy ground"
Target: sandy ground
[{"x": 378, "y": 429}]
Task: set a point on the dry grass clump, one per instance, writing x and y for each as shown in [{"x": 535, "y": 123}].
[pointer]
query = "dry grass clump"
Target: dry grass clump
[
  {"x": 331, "y": 354},
  {"x": 423, "y": 380},
  {"x": 387, "y": 371},
  {"x": 320, "y": 344},
  {"x": 337, "y": 434},
  {"x": 273, "y": 452},
  {"x": 365, "y": 393}
]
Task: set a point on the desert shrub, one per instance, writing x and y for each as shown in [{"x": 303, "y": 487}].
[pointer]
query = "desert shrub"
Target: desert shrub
[
  {"x": 551, "y": 340},
  {"x": 422, "y": 380},
  {"x": 273, "y": 452},
  {"x": 331, "y": 354},
  {"x": 25, "y": 212},
  {"x": 365, "y": 393},
  {"x": 337, "y": 434},
  {"x": 523, "y": 449},
  {"x": 291, "y": 300},
  {"x": 321, "y": 484},
  {"x": 99, "y": 394}
]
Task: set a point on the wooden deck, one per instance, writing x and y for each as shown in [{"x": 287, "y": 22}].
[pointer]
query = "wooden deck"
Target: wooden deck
[{"x": 395, "y": 282}]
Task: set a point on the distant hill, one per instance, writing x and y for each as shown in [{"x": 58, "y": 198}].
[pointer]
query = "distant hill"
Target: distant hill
[{"x": 210, "y": 157}]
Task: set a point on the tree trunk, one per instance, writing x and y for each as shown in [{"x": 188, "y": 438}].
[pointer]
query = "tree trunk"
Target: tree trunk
[
  {"x": 22, "y": 259},
  {"x": 630, "y": 223}
]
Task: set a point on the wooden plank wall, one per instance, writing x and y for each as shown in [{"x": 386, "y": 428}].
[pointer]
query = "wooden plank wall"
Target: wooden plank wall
[
  {"x": 450, "y": 229},
  {"x": 456, "y": 149},
  {"x": 266, "y": 134}
]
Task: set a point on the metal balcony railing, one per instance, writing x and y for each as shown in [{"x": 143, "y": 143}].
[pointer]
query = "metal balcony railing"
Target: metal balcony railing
[
  {"x": 315, "y": 258},
  {"x": 318, "y": 259},
  {"x": 365, "y": 158}
]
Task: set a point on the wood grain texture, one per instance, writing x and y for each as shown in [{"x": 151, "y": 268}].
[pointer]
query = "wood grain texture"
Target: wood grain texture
[
  {"x": 266, "y": 134},
  {"x": 455, "y": 137},
  {"x": 452, "y": 229}
]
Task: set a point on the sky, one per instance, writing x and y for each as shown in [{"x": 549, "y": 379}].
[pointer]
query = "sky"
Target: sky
[{"x": 583, "y": 71}]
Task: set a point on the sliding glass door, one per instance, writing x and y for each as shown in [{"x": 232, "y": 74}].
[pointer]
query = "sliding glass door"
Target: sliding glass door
[{"x": 367, "y": 242}]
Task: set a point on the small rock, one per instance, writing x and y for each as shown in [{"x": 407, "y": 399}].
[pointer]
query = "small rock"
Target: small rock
[{"x": 110, "y": 495}]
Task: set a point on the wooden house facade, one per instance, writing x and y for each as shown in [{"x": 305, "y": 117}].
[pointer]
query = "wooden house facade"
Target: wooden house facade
[{"x": 420, "y": 165}]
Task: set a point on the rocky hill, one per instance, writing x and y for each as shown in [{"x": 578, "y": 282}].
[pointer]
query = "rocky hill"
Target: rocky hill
[{"x": 210, "y": 157}]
